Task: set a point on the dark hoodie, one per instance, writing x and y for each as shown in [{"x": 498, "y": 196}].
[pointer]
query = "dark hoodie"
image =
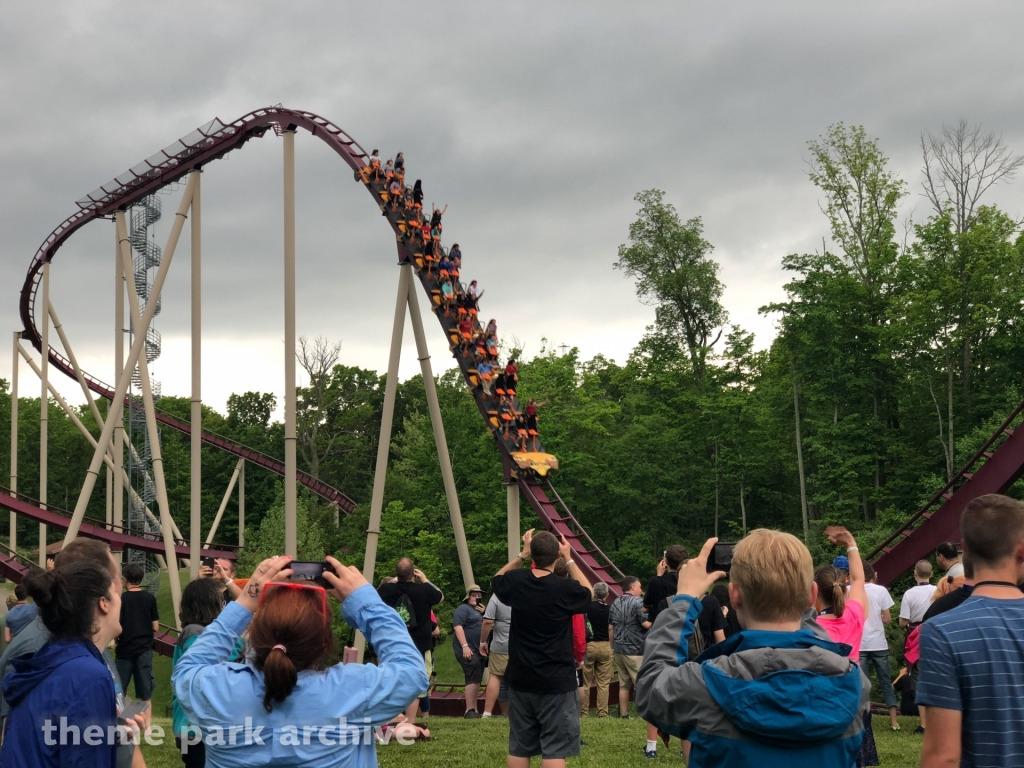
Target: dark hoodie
[{"x": 64, "y": 679}]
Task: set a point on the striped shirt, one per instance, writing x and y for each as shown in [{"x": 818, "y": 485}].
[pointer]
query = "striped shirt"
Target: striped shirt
[{"x": 972, "y": 661}]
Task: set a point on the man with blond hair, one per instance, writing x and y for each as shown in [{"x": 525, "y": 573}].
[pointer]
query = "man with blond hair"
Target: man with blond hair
[{"x": 755, "y": 699}]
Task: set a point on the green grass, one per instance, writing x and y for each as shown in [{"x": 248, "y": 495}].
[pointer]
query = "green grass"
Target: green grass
[{"x": 459, "y": 743}]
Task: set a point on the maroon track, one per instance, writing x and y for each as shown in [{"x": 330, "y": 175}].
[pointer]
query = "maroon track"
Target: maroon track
[
  {"x": 212, "y": 142},
  {"x": 993, "y": 469}
]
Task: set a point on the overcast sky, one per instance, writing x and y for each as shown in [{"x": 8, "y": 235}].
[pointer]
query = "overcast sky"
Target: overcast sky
[{"x": 535, "y": 122}]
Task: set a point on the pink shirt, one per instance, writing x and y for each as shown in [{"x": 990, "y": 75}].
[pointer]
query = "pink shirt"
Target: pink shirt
[{"x": 849, "y": 628}]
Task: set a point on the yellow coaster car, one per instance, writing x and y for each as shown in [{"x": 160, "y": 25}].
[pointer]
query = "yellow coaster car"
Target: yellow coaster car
[{"x": 541, "y": 463}]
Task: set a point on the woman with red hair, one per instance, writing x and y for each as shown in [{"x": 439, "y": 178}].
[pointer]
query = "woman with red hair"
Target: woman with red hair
[{"x": 283, "y": 705}]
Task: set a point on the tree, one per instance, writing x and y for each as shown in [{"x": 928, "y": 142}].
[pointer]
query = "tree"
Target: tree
[
  {"x": 251, "y": 409},
  {"x": 674, "y": 273},
  {"x": 317, "y": 359},
  {"x": 960, "y": 165},
  {"x": 861, "y": 198}
]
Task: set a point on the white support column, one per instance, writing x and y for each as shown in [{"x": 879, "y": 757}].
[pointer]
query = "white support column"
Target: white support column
[
  {"x": 44, "y": 410},
  {"x": 439, "y": 438},
  {"x": 116, "y": 410},
  {"x": 13, "y": 540},
  {"x": 290, "y": 438},
  {"x": 133, "y": 356},
  {"x": 110, "y": 498},
  {"x": 195, "y": 501},
  {"x": 380, "y": 471},
  {"x": 514, "y": 537},
  {"x": 241, "y": 506},
  {"x": 59, "y": 328},
  {"x": 224, "y": 502},
  {"x": 156, "y": 453}
]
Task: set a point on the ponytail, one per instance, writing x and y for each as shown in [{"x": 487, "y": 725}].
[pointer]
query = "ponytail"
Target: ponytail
[
  {"x": 67, "y": 597},
  {"x": 279, "y": 676},
  {"x": 831, "y": 588}
]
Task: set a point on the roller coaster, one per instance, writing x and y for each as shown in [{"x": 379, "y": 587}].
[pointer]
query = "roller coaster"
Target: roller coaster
[{"x": 994, "y": 469}]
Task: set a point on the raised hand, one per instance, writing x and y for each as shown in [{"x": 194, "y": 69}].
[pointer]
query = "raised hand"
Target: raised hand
[
  {"x": 838, "y": 534},
  {"x": 564, "y": 549},
  {"x": 271, "y": 569},
  {"x": 527, "y": 538},
  {"x": 420, "y": 576},
  {"x": 694, "y": 579},
  {"x": 345, "y": 580}
]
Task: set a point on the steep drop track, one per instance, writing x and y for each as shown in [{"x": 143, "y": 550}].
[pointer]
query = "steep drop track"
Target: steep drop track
[{"x": 211, "y": 142}]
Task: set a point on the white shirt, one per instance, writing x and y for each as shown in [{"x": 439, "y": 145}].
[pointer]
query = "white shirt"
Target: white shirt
[
  {"x": 956, "y": 570},
  {"x": 879, "y": 600},
  {"x": 916, "y": 601}
]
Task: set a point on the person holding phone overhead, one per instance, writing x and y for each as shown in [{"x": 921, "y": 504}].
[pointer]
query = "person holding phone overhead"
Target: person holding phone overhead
[{"x": 285, "y": 686}]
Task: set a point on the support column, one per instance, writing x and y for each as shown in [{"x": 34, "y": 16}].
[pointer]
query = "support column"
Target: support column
[
  {"x": 224, "y": 502},
  {"x": 110, "y": 498},
  {"x": 116, "y": 410},
  {"x": 514, "y": 537},
  {"x": 195, "y": 507},
  {"x": 380, "y": 471},
  {"x": 166, "y": 525},
  {"x": 241, "y": 506},
  {"x": 44, "y": 409},
  {"x": 121, "y": 387},
  {"x": 14, "y": 439},
  {"x": 439, "y": 438},
  {"x": 290, "y": 439}
]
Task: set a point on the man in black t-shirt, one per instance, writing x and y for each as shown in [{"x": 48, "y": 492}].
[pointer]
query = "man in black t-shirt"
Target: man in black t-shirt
[
  {"x": 140, "y": 621},
  {"x": 599, "y": 653},
  {"x": 662, "y": 587},
  {"x": 412, "y": 587},
  {"x": 543, "y": 705}
]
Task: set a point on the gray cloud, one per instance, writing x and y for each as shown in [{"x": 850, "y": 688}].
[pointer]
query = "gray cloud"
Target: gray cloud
[{"x": 536, "y": 123}]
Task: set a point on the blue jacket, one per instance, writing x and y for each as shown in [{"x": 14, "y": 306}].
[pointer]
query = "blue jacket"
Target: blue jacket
[
  {"x": 764, "y": 699},
  {"x": 328, "y": 719},
  {"x": 65, "y": 679}
]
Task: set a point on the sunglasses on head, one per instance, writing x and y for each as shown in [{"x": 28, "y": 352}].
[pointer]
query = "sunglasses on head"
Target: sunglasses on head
[{"x": 277, "y": 585}]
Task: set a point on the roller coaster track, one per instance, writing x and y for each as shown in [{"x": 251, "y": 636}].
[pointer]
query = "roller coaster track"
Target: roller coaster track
[
  {"x": 993, "y": 469},
  {"x": 213, "y": 141}
]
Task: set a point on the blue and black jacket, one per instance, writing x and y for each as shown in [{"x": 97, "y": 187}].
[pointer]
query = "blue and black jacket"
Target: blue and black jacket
[{"x": 764, "y": 699}]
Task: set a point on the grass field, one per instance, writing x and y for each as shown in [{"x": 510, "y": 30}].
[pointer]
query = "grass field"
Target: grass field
[{"x": 459, "y": 743}]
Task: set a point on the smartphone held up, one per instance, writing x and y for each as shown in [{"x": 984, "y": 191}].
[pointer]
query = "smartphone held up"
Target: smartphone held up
[
  {"x": 721, "y": 557},
  {"x": 310, "y": 573}
]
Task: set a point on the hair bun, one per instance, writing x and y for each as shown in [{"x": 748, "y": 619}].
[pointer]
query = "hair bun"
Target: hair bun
[{"x": 42, "y": 585}]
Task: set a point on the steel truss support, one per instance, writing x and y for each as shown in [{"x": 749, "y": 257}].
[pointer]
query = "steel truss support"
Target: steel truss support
[
  {"x": 512, "y": 497},
  {"x": 407, "y": 299},
  {"x": 141, "y": 326},
  {"x": 439, "y": 438},
  {"x": 196, "y": 443},
  {"x": 107, "y": 459},
  {"x": 157, "y": 459},
  {"x": 224, "y": 502},
  {"x": 117, "y": 408},
  {"x": 13, "y": 539},
  {"x": 44, "y": 413},
  {"x": 290, "y": 437}
]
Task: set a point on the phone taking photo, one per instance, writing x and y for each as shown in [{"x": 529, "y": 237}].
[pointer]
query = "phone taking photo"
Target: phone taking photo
[
  {"x": 310, "y": 572},
  {"x": 132, "y": 709},
  {"x": 721, "y": 557}
]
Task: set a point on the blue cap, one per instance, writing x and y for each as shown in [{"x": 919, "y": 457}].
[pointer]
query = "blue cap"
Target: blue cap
[{"x": 842, "y": 563}]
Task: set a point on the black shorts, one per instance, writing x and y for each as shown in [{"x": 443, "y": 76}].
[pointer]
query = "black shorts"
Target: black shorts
[
  {"x": 472, "y": 669},
  {"x": 546, "y": 724}
]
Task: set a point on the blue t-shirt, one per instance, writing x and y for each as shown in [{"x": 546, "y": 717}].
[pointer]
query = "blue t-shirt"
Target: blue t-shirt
[
  {"x": 972, "y": 661},
  {"x": 19, "y": 617}
]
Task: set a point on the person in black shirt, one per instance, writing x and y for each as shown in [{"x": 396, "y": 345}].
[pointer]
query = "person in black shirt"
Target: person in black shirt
[
  {"x": 732, "y": 624},
  {"x": 140, "y": 621},
  {"x": 951, "y": 600},
  {"x": 662, "y": 587},
  {"x": 543, "y": 705},
  {"x": 412, "y": 587},
  {"x": 599, "y": 653}
]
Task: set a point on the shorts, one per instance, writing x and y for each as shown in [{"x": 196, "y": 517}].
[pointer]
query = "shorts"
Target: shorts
[
  {"x": 496, "y": 663},
  {"x": 472, "y": 669},
  {"x": 545, "y": 724},
  {"x": 629, "y": 669}
]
